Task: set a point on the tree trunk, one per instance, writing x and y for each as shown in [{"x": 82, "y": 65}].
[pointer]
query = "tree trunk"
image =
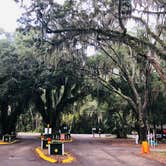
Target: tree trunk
[
  {"x": 56, "y": 120},
  {"x": 49, "y": 108},
  {"x": 41, "y": 108},
  {"x": 161, "y": 128},
  {"x": 158, "y": 68},
  {"x": 141, "y": 121},
  {"x": 4, "y": 120},
  {"x": 142, "y": 126}
]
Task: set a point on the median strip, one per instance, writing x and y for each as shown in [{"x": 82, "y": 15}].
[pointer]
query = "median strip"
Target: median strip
[
  {"x": 66, "y": 158},
  {"x": 44, "y": 157}
]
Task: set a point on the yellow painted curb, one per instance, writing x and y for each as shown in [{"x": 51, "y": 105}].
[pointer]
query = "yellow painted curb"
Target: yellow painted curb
[
  {"x": 69, "y": 158},
  {"x": 7, "y": 143},
  {"x": 3, "y": 143},
  {"x": 44, "y": 157}
]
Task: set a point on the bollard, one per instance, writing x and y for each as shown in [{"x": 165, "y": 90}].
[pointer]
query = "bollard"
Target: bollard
[
  {"x": 145, "y": 147},
  {"x": 42, "y": 137},
  {"x": 44, "y": 144}
]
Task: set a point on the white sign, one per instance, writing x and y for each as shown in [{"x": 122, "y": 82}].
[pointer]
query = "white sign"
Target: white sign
[{"x": 48, "y": 131}]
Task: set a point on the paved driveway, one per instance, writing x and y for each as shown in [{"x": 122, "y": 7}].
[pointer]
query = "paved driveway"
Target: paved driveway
[{"x": 87, "y": 150}]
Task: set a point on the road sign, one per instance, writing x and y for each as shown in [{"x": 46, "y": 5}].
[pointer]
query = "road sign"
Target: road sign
[{"x": 62, "y": 137}]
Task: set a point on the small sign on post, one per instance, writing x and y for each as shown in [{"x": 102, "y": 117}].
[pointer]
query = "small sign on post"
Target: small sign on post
[
  {"x": 136, "y": 139},
  {"x": 99, "y": 132},
  {"x": 48, "y": 131},
  {"x": 93, "y": 131},
  {"x": 62, "y": 137}
]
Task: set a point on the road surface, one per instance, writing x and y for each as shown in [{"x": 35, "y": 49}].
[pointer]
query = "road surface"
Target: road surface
[{"x": 87, "y": 150}]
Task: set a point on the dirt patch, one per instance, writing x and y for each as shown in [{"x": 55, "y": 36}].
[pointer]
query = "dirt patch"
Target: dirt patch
[{"x": 117, "y": 141}]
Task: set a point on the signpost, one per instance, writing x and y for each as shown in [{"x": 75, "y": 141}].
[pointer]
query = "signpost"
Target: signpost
[
  {"x": 62, "y": 136},
  {"x": 93, "y": 131}
]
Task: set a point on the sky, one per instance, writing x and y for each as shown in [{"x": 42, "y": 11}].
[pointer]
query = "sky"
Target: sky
[{"x": 9, "y": 13}]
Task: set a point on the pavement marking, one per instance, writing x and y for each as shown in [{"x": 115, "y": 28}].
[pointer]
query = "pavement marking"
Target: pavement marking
[{"x": 15, "y": 158}]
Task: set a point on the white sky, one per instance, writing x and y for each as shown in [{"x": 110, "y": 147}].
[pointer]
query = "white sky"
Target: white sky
[{"x": 9, "y": 13}]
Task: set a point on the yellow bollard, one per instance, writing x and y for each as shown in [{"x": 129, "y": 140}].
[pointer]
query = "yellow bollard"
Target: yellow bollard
[{"x": 145, "y": 147}]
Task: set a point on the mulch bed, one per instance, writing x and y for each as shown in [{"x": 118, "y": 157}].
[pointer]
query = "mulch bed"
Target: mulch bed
[{"x": 117, "y": 141}]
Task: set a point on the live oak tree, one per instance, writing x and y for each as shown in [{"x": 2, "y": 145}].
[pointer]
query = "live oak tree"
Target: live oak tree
[
  {"x": 58, "y": 91},
  {"x": 16, "y": 82},
  {"x": 127, "y": 76},
  {"x": 59, "y": 82},
  {"x": 101, "y": 23},
  {"x": 157, "y": 111},
  {"x": 28, "y": 77},
  {"x": 92, "y": 21}
]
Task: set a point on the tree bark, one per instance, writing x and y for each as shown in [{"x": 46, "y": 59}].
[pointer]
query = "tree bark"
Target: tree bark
[
  {"x": 4, "y": 120},
  {"x": 158, "y": 69},
  {"x": 41, "y": 107},
  {"x": 142, "y": 122}
]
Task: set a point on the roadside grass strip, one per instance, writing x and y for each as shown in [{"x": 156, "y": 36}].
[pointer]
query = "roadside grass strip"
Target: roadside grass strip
[
  {"x": 8, "y": 143},
  {"x": 69, "y": 158}
]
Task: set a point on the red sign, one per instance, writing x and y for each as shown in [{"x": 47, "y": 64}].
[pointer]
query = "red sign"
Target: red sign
[
  {"x": 62, "y": 137},
  {"x": 164, "y": 131}
]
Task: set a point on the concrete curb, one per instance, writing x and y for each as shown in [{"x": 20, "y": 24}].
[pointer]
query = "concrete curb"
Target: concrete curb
[
  {"x": 67, "y": 141},
  {"x": 69, "y": 158},
  {"x": 44, "y": 157},
  {"x": 8, "y": 143}
]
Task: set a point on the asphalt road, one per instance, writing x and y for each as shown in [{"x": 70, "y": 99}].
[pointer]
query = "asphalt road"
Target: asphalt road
[{"x": 87, "y": 150}]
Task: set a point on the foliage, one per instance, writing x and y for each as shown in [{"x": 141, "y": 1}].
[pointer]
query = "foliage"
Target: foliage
[
  {"x": 45, "y": 65},
  {"x": 16, "y": 83}
]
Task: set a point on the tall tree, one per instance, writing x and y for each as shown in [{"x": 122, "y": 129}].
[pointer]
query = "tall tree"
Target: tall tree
[
  {"x": 127, "y": 78},
  {"x": 93, "y": 21},
  {"x": 14, "y": 96}
]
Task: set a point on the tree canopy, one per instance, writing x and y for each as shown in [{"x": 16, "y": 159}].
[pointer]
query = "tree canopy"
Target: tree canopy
[{"x": 46, "y": 65}]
